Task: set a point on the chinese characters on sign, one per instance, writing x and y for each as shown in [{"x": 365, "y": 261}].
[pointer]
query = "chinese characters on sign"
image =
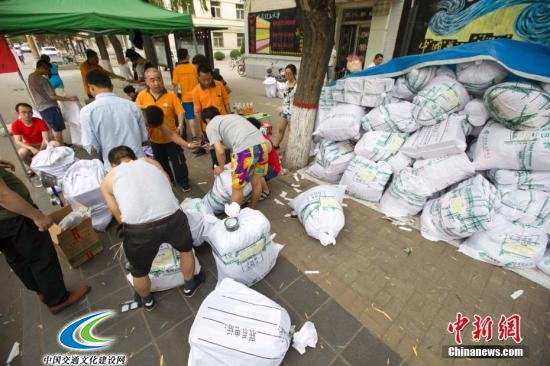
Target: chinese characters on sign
[
  {"x": 508, "y": 328},
  {"x": 84, "y": 360},
  {"x": 275, "y": 33}
]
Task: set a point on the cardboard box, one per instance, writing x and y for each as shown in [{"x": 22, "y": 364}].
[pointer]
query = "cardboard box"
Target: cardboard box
[{"x": 77, "y": 244}]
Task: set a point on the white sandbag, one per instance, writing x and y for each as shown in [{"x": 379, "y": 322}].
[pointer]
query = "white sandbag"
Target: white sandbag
[
  {"x": 366, "y": 179},
  {"x": 507, "y": 244},
  {"x": 320, "y": 210},
  {"x": 520, "y": 179},
  {"x": 405, "y": 196},
  {"x": 54, "y": 161},
  {"x": 376, "y": 91},
  {"x": 166, "y": 271},
  {"x": 247, "y": 253},
  {"x": 394, "y": 117},
  {"x": 518, "y": 105},
  {"x": 398, "y": 162},
  {"x": 379, "y": 145},
  {"x": 530, "y": 208},
  {"x": 476, "y": 112},
  {"x": 220, "y": 194},
  {"x": 81, "y": 186},
  {"x": 434, "y": 103},
  {"x": 325, "y": 99},
  {"x": 441, "y": 173},
  {"x": 500, "y": 148},
  {"x": 545, "y": 87},
  {"x": 401, "y": 90},
  {"x": 464, "y": 210},
  {"x": 544, "y": 263},
  {"x": 445, "y": 71},
  {"x": 71, "y": 115},
  {"x": 354, "y": 84},
  {"x": 417, "y": 79},
  {"x": 342, "y": 123},
  {"x": 477, "y": 76},
  {"x": 236, "y": 325},
  {"x": 445, "y": 138},
  {"x": 331, "y": 160},
  {"x": 196, "y": 210}
]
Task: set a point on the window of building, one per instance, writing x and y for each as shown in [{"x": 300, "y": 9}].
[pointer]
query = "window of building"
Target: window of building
[
  {"x": 240, "y": 11},
  {"x": 240, "y": 39},
  {"x": 217, "y": 37},
  {"x": 215, "y": 9}
]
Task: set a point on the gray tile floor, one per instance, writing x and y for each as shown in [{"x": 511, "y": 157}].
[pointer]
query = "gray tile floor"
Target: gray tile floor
[{"x": 147, "y": 336}]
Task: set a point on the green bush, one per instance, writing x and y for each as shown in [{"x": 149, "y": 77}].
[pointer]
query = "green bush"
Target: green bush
[
  {"x": 235, "y": 53},
  {"x": 242, "y": 49},
  {"x": 219, "y": 55}
]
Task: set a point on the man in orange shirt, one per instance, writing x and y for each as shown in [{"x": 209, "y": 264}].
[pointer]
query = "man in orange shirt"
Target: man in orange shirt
[
  {"x": 208, "y": 93},
  {"x": 164, "y": 150},
  {"x": 92, "y": 63}
]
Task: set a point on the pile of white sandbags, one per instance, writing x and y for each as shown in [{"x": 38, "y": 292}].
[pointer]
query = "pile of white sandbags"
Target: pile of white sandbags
[
  {"x": 220, "y": 193},
  {"x": 342, "y": 122},
  {"x": 166, "y": 270},
  {"x": 320, "y": 210},
  {"x": 242, "y": 245},
  {"x": 196, "y": 211},
  {"x": 236, "y": 325},
  {"x": 81, "y": 186},
  {"x": 54, "y": 161},
  {"x": 470, "y": 150}
]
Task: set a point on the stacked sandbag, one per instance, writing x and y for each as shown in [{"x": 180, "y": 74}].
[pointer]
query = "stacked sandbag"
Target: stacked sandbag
[
  {"x": 507, "y": 244},
  {"x": 464, "y": 210},
  {"x": 166, "y": 270},
  {"x": 220, "y": 194},
  {"x": 401, "y": 90},
  {"x": 196, "y": 211},
  {"x": 544, "y": 263},
  {"x": 478, "y": 76},
  {"x": 242, "y": 245},
  {"x": 54, "y": 161},
  {"x": 236, "y": 325},
  {"x": 326, "y": 102},
  {"x": 353, "y": 90},
  {"x": 331, "y": 160},
  {"x": 406, "y": 195},
  {"x": 320, "y": 210},
  {"x": 417, "y": 79},
  {"x": 379, "y": 145},
  {"x": 81, "y": 186},
  {"x": 366, "y": 179},
  {"x": 440, "y": 173},
  {"x": 500, "y": 148},
  {"x": 520, "y": 179},
  {"x": 377, "y": 91},
  {"x": 338, "y": 90},
  {"x": 393, "y": 117},
  {"x": 518, "y": 105},
  {"x": 445, "y": 138},
  {"x": 343, "y": 122},
  {"x": 476, "y": 112},
  {"x": 526, "y": 207},
  {"x": 434, "y": 103}
]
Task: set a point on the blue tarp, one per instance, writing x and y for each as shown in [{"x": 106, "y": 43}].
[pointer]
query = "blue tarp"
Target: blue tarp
[{"x": 527, "y": 60}]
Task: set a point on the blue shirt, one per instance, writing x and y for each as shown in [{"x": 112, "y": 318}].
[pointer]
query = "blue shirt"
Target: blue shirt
[
  {"x": 111, "y": 121},
  {"x": 55, "y": 79}
]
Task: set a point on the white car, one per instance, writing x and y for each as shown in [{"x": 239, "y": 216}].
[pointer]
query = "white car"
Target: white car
[{"x": 55, "y": 55}]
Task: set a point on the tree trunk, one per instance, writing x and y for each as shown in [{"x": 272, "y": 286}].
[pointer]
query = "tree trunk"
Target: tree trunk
[
  {"x": 149, "y": 49},
  {"x": 317, "y": 20},
  {"x": 119, "y": 52},
  {"x": 102, "y": 47}
]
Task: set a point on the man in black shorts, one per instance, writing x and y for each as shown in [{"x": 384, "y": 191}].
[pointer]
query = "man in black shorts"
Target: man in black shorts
[{"x": 139, "y": 194}]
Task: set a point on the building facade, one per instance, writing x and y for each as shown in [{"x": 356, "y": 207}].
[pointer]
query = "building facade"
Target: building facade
[{"x": 363, "y": 28}]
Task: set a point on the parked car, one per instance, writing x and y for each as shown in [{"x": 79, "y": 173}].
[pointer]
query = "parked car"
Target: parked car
[
  {"x": 55, "y": 55},
  {"x": 25, "y": 48}
]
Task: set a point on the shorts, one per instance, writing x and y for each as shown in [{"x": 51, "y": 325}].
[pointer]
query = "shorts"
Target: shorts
[
  {"x": 141, "y": 242},
  {"x": 189, "y": 110},
  {"x": 251, "y": 161},
  {"x": 53, "y": 118}
]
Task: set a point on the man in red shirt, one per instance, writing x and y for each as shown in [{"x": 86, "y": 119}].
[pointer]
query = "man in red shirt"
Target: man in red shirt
[{"x": 30, "y": 133}]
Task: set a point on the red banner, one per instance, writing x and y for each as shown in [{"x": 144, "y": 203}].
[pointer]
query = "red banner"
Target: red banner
[{"x": 7, "y": 61}]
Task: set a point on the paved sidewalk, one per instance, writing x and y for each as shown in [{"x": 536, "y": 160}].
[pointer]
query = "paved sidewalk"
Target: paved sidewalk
[{"x": 372, "y": 303}]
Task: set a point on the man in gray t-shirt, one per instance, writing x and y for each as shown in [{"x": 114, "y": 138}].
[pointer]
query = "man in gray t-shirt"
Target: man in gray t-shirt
[
  {"x": 46, "y": 99},
  {"x": 249, "y": 151}
]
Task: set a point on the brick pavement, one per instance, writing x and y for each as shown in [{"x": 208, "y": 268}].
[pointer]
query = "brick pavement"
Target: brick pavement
[{"x": 387, "y": 303}]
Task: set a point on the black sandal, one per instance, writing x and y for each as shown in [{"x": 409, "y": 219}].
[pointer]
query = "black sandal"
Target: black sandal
[{"x": 264, "y": 195}]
